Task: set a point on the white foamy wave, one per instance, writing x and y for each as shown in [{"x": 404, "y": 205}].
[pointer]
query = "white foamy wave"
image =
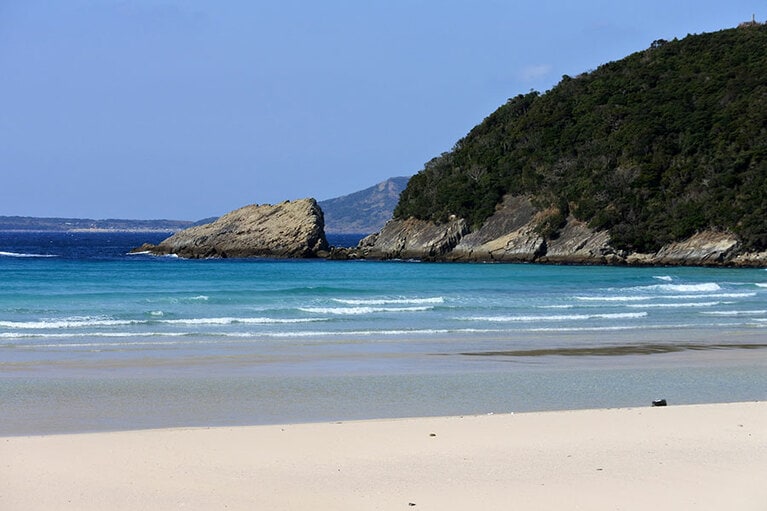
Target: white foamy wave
[
  {"x": 713, "y": 295},
  {"x": 555, "y": 307},
  {"x": 646, "y": 298},
  {"x": 735, "y": 313},
  {"x": 199, "y": 298},
  {"x": 63, "y": 323},
  {"x": 22, "y": 255},
  {"x": 613, "y": 298},
  {"x": 80, "y": 335},
  {"x": 96, "y": 345},
  {"x": 355, "y": 311},
  {"x": 682, "y": 288},
  {"x": 388, "y": 301},
  {"x": 57, "y": 324},
  {"x": 382, "y": 333},
  {"x": 677, "y": 305},
  {"x": 237, "y": 321},
  {"x": 760, "y": 284},
  {"x": 584, "y": 329},
  {"x": 666, "y": 278},
  {"x": 148, "y": 253},
  {"x": 561, "y": 317}
]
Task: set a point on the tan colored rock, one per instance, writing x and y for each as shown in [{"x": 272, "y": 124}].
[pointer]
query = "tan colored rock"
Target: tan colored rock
[
  {"x": 413, "y": 239},
  {"x": 751, "y": 259},
  {"x": 514, "y": 234},
  {"x": 577, "y": 243},
  {"x": 286, "y": 230},
  {"x": 505, "y": 236},
  {"x": 701, "y": 249}
]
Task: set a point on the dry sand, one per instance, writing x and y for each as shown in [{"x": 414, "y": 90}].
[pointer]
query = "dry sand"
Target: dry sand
[{"x": 679, "y": 457}]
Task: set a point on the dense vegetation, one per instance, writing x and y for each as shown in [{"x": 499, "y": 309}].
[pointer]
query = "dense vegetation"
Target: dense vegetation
[{"x": 654, "y": 147}]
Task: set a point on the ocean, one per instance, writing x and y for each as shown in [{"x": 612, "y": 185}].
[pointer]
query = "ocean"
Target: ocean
[{"x": 93, "y": 338}]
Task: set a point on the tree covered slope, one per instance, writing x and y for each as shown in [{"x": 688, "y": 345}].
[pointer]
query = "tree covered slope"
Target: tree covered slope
[{"x": 654, "y": 147}]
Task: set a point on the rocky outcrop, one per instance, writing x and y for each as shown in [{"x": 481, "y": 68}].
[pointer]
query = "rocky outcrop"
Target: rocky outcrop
[
  {"x": 517, "y": 232},
  {"x": 506, "y": 236},
  {"x": 413, "y": 239},
  {"x": 286, "y": 230},
  {"x": 576, "y": 243},
  {"x": 707, "y": 248}
]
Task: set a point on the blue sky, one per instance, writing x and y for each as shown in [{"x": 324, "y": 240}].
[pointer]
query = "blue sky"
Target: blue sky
[{"x": 187, "y": 109}]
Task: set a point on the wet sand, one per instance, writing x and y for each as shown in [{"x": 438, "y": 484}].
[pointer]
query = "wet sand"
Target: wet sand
[{"x": 699, "y": 457}]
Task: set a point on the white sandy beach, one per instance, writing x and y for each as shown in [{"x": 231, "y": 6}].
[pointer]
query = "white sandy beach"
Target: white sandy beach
[{"x": 679, "y": 457}]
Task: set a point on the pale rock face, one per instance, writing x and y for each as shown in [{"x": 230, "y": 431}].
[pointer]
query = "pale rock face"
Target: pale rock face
[
  {"x": 286, "y": 230},
  {"x": 702, "y": 248},
  {"x": 512, "y": 234},
  {"x": 413, "y": 239}
]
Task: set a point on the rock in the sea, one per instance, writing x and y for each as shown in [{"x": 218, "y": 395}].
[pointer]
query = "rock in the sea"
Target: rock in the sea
[{"x": 291, "y": 229}]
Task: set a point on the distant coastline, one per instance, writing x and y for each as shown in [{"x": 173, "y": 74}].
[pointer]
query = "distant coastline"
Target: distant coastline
[
  {"x": 35, "y": 224},
  {"x": 85, "y": 230}
]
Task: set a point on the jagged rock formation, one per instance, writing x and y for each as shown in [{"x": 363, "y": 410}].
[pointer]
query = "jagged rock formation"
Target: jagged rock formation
[
  {"x": 286, "y": 230},
  {"x": 413, "y": 239},
  {"x": 517, "y": 232}
]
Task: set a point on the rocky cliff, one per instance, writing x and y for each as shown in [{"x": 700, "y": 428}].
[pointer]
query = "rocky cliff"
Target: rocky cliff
[
  {"x": 660, "y": 149},
  {"x": 519, "y": 232},
  {"x": 286, "y": 230}
]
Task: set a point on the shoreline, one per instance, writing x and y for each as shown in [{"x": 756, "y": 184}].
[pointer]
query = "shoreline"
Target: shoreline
[
  {"x": 708, "y": 456},
  {"x": 241, "y": 391}
]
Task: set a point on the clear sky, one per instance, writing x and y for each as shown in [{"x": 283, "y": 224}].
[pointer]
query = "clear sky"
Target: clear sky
[{"x": 186, "y": 109}]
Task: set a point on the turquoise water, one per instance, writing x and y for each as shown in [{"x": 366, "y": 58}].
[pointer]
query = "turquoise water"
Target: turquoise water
[{"x": 92, "y": 338}]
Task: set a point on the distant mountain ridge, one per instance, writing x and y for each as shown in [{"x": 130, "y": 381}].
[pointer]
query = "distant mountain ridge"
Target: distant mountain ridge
[{"x": 363, "y": 212}]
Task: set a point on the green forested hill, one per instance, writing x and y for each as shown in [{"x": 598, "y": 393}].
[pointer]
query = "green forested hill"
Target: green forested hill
[{"x": 654, "y": 147}]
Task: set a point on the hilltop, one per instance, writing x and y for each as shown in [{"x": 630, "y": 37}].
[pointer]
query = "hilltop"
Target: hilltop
[
  {"x": 364, "y": 211},
  {"x": 650, "y": 150}
]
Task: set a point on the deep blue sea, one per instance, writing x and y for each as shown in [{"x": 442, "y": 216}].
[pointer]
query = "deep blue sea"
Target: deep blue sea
[{"x": 92, "y": 338}]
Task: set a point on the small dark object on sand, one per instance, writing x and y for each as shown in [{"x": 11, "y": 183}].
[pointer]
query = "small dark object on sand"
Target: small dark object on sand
[{"x": 659, "y": 402}]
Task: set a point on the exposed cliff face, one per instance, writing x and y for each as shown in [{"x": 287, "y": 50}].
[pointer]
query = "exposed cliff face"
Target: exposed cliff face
[
  {"x": 413, "y": 239},
  {"x": 286, "y": 230},
  {"x": 514, "y": 234}
]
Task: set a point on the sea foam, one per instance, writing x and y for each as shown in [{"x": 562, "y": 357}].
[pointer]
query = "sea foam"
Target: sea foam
[
  {"x": 682, "y": 288},
  {"x": 558, "y": 317},
  {"x": 22, "y": 255},
  {"x": 355, "y": 311},
  {"x": 388, "y": 301}
]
